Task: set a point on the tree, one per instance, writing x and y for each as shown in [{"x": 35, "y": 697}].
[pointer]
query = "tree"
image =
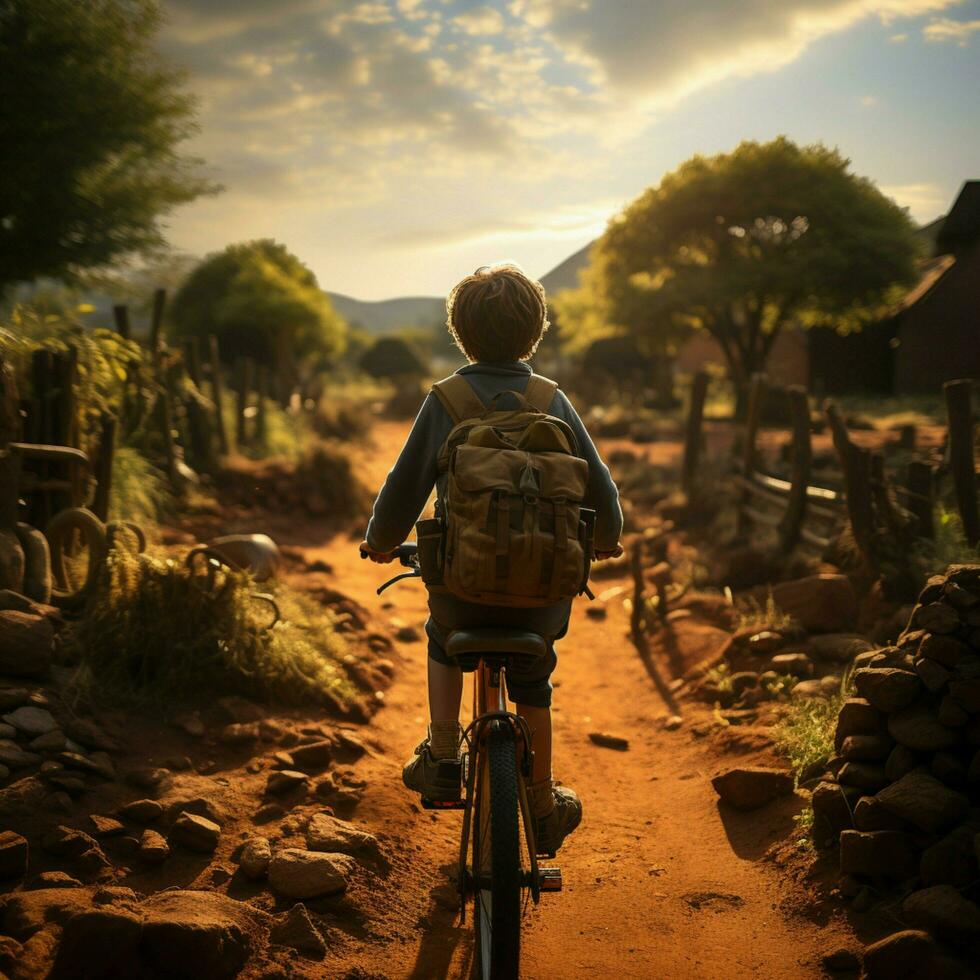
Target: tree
[
  {"x": 395, "y": 358},
  {"x": 262, "y": 302},
  {"x": 748, "y": 243},
  {"x": 91, "y": 124}
]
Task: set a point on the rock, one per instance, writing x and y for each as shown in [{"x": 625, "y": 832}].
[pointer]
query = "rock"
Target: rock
[
  {"x": 936, "y": 618},
  {"x": 966, "y": 693},
  {"x": 932, "y": 674},
  {"x": 942, "y": 910},
  {"x": 141, "y": 811},
  {"x": 841, "y": 648},
  {"x": 13, "y": 855},
  {"x": 945, "y": 650},
  {"x": 255, "y": 857},
  {"x": 65, "y": 841},
  {"x": 25, "y": 643},
  {"x": 951, "y": 860},
  {"x": 924, "y": 801},
  {"x": 672, "y": 723},
  {"x": 285, "y": 781},
  {"x": 199, "y": 805},
  {"x": 866, "y": 748},
  {"x": 153, "y": 847},
  {"x": 856, "y": 717},
  {"x": 50, "y": 742},
  {"x": 52, "y": 879},
  {"x": 596, "y": 612},
  {"x": 898, "y": 955},
  {"x": 114, "y": 895},
  {"x": 870, "y": 815},
  {"x": 347, "y": 746},
  {"x": 153, "y": 778},
  {"x": 819, "y": 603},
  {"x": 607, "y": 741},
  {"x": 796, "y": 664},
  {"x": 900, "y": 760},
  {"x": 239, "y": 709},
  {"x": 240, "y": 733},
  {"x": 751, "y": 788},
  {"x": 13, "y": 756},
  {"x": 887, "y": 688},
  {"x": 12, "y": 697},
  {"x": 951, "y": 714},
  {"x": 209, "y": 930},
  {"x": 314, "y": 756},
  {"x": 764, "y": 643},
  {"x": 97, "y": 763},
  {"x": 31, "y": 720},
  {"x": 947, "y": 768},
  {"x": 298, "y": 932},
  {"x": 329, "y": 833},
  {"x": 809, "y": 689},
  {"x": 841, "y": 960},
  {"x": 919, "y": 729},
  {"x": 863, "y": 775},
  {"x": 89, "y": 734},
  {"x": 105, "y": 826},
  {"x": 24, "y": 913},
  {"x": 92, "y": 937},
  {"x": 268, "y": 812},
  {"x": 191, "y": 723},
  {"x": 832, "y": 808},
  {"x": 196, "y": 833},
  {"x": 92, "y": 863},
  {"x": 878, "y": 854},
  {"x": 407, "y": 634},
  {"x": 299, "y": 874}
]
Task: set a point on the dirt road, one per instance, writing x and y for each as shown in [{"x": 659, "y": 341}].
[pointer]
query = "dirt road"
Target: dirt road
[{"x": 659, "y": 881}]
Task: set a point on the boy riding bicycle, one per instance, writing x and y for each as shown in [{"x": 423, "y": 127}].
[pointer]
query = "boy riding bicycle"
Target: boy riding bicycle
[{"x": 497, "y": 317}]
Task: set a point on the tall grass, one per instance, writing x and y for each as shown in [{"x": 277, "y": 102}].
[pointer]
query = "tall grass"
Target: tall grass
[
  {"x": 140, "y": 492},
  {"x": 157, "y": 634},
  {"x": 806, "y": 730}
]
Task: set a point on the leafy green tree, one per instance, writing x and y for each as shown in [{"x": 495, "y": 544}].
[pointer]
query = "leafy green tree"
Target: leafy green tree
[
  {"x": 744, "y": 245},
  {"x": 91, "y": 124},
  {"x": 393, "y": 357},
  {"x": 262, "y": 302}
]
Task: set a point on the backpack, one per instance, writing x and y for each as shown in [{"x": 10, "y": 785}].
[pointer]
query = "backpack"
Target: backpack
[{"x": 510, "y": 528}]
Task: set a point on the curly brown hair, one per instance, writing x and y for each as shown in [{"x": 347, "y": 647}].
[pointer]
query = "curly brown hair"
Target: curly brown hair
[{"x": 497, "y": 314}]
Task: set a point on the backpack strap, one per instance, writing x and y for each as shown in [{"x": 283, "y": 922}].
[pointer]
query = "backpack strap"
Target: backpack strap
[
  {"x": 540, "y": 392},
  {"x": 458, "y": 398}
]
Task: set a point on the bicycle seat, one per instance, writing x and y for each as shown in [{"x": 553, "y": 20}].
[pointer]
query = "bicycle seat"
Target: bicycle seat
[{"x": 503, "y": 642}]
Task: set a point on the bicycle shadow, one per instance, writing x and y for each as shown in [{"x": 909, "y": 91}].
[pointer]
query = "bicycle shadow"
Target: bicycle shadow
[{"x": 445, "y": 940}]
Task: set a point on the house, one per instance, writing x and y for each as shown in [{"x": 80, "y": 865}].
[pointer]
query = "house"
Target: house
[{"x": 932, "y": 336}]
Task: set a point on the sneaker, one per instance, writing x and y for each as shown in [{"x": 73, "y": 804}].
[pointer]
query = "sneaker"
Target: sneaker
[
  {"x": 439, "y": 780},
  {"x": 550, "y": 831}
]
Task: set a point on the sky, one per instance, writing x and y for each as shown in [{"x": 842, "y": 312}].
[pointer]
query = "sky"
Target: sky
[{"x": 396, "y": 145}]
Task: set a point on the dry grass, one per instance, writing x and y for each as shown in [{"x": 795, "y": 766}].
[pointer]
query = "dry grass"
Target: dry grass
[
  {"x": 754, "y": 615},
  {"x": 155, "y": 633}
]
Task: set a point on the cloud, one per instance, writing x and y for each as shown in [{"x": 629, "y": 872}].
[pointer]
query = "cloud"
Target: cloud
[
  {"x": 945, "y": 29},
  {"x": 925, "y": 200},
  {"x": 480, "y": 20},
  {"x": 868, "y": 101}
]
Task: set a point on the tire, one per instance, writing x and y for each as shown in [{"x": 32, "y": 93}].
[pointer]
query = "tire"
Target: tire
[
  {"x": 59, "y": 533},
  {"x": 37, "y": 563},
  {"x": 497, "y": 910}
]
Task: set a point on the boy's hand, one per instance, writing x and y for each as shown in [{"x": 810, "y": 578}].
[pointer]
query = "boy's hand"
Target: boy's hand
[
  {"x": 615, "y": 553},
  {"x": 380, "y": 557}
]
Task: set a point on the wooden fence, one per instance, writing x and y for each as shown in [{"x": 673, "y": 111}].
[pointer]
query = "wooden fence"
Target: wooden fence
[{"x": 802, "y": 513}]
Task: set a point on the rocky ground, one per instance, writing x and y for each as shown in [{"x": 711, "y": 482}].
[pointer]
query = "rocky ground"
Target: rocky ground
[{"x": 248, "y": 840}]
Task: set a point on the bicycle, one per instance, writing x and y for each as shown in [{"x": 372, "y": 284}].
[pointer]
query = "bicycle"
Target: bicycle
[{"x": 498, "y": 857}]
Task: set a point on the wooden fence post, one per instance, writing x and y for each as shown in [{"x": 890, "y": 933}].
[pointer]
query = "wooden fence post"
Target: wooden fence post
[
  {"x": 192, "y": 357},
  {"x": 217, "y": 393},
  {"x": 120, "y": 313},
  {"x": 156, "y": 326},
  {"x": 856, "y": 464},
  {"x": 103, "y": 468},
  {"x": 246, "y": 371},
  {"x": 692, "y": 438},
  {"x": 753, "y": 417},
  {"x": 262, "y": 395},
  {"x": 920, "y": 479},
  {"x": 959, "y": 415},
  {"x": 800, "y": 467}
]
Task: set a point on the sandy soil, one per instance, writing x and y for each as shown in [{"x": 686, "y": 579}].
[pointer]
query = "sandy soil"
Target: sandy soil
[{"x": 660, "y": 881}]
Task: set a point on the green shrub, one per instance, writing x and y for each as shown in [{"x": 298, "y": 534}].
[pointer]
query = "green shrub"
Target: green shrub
[
  {"x": 155, "y": 633},
  {"x": 806, "y": 730},
  {"x": 140, "y": 492}
]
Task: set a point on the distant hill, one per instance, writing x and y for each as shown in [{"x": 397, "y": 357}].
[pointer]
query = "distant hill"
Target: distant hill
[{"x": 387, "y": 315}]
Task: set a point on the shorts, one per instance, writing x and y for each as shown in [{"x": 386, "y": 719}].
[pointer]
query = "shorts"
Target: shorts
[{"x": 530, "y": 685}]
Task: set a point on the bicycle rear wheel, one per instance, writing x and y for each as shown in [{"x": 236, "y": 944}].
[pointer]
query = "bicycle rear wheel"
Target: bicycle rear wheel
[{"x": 497, "y": 859}]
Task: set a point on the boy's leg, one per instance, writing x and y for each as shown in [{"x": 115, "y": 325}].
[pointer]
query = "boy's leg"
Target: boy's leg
[
  {"x": 539, "y": 721},
  {"x": 445, "y": 694}
]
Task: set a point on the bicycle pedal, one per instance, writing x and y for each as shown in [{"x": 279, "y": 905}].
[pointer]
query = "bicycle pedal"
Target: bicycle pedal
[
  {"x": 550, "y": 879},
  {"x": 428, "y": 804},
  {"x": 547, "y": 855}
]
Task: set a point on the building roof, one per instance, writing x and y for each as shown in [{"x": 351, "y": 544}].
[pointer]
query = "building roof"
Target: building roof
[
  {"x": 932, "y": 272},
  {"x": 962, "y": 224}
]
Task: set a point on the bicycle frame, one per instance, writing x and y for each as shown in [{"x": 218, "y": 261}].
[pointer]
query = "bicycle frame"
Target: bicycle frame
[{"x": 490, "y": 707}]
